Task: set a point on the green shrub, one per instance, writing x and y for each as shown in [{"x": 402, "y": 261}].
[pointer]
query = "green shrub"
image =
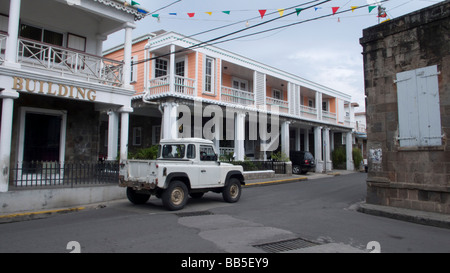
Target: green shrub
[
  {"x": 357, "y": 157},
  {"x": 145, "y": 153},
  {"x": 280, "y": 156},
  {"x": 339, "y": 157}
]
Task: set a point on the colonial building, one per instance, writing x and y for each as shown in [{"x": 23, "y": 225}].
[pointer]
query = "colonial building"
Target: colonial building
[
  {"x": 172, "y": 75},
  {"x": 407, "y": 82},
  {"x": 56, "y": 86}
]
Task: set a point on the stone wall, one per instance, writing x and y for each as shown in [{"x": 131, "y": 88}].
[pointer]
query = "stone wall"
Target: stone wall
[{"x": 417, "y": 177}]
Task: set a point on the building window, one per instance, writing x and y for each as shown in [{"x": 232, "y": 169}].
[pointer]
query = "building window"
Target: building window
[
  {"x": 76, "y": 42},
  {"x": 419, "y": 115},
  {"x": 324, "y": 105},
  {"x": 209, "y": 75},
  {"x": 137, "y": 136},
  {"x": 240, "y": 84},
  {"x": 161, "y": 66},
  {"x": 41, "y": 35},
  {"x": 276, "y": 94},
  {"x": 134, "y": 61},
  {"x": 179, "y": 68},
  {"x": 311, "y": 104},
  {"x": 156, "y": 134}
]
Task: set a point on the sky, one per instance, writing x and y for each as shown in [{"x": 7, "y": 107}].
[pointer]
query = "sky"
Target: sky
[{"x": 323, "y": 50}]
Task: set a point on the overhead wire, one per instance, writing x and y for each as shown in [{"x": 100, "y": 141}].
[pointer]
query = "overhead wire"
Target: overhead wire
[
  {"x": 289, "y": 25},
  {"x": 235, "y": 23},
  {"x": 229, "y": 34}
]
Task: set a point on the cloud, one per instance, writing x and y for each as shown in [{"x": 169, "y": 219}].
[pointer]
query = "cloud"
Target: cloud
[{"x": 339, "y": 69}]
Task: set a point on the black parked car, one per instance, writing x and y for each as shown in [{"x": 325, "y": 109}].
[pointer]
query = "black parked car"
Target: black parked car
[{"x": 302, "y": 162}]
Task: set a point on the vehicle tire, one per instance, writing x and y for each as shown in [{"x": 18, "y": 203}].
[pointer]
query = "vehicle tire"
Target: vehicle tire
[
  {"x": 137, "y": 198},
  {"x": 175, "y": 196},
  {"x": 232, "y": 191},
  {"x": 295, "y": 169},
  {"x": 196, "y": 195}
]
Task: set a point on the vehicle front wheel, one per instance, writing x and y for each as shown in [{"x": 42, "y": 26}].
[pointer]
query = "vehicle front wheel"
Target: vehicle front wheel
[
  {"x": 295, "y": 169},
  {"x": 136, "y": 197},
  {"x": 232, "y": 191},
  {"x": 175, "y": 196}
]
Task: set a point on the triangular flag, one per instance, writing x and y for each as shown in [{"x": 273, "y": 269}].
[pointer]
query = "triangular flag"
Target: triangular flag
[
  {"x": 316, "y": 8},
  {"x": 172, "y": 13},
  {"x": 262, "y": 12},
  {"x": 226, "y": 12},
  {"x": 281, "y": 11},
  {"x": 353, "y": 8},
  {"x": 298, "y": 11},
  {"x": 155, "y": 15},
  {"x": 334, "y": 9},
  {"x": 133, "y": 3},
  {"x": 371, "y": 8},
  {"x": 142, "y": 11},
  {"x": 209, "y": 13},
  {"x": 191, "y": 14}
]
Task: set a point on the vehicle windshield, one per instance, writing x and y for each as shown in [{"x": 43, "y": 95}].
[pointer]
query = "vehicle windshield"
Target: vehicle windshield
[{"x": 173, "y": 151}]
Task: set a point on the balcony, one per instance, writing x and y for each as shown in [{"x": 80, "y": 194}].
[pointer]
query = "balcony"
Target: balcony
[
  {"x": 235, "y": 96},
  {"x": 161, "y": 85},
  {"x": 308, "y": 112},
  {"x": 64, "y": 62},
  {"x": 328, "y": 116},
  {"x": 283, "y": 106},
  {"x": 2, "y": 46}
]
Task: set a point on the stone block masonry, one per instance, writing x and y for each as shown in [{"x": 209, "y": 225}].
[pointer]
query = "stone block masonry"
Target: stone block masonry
[{"x": 415, "y": 177}]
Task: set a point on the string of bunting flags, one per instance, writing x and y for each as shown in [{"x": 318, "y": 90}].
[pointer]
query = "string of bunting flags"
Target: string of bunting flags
[{"x": 262, "y": 12}]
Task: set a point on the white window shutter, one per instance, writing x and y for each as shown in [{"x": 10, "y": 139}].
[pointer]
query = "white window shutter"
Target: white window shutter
[
  {"x": 408, "y": 119},
  {"x": 429, "y": 110},
  {"x": 418, "y": 107}
]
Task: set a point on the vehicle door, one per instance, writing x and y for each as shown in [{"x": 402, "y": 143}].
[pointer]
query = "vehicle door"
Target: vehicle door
[{"x": 208, "y": 167}]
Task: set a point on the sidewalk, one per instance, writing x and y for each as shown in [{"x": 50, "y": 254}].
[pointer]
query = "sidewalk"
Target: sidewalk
[{"x": 286, "y": 178}]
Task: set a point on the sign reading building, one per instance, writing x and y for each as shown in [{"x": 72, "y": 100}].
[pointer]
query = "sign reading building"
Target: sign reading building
[{"x": 53, "y": 89}]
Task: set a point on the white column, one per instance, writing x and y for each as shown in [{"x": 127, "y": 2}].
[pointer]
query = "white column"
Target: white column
[
  {"x": 13, "y": 33},
  {"x": 285, "y": 137},
  {"x": 127, "y": 54},
  {"x": 318, "y": 148},
  {"x": 348, "y": 148},
  {"x": 113, "y": 134},
  {"x": 319, "y": 105},
  {"x": 169, "y": 121},
  {"x": 298, "y": 138},
  {"x": 306, "y": 140},
  {"x": 172, "y": 69},
  {"x": 100, "y": 40},
  {"x": 124, "y": 131},
  {"x": 5, "y": 137},
  {"x": 239, "y": 149},
  {"x": 327, "y": 154}
]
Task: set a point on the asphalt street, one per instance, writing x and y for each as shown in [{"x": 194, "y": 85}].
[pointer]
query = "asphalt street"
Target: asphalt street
[{"x": 314, "y": 215}]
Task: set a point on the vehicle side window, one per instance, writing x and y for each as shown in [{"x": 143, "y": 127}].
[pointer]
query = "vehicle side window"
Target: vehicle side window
[
  {"x": 190, "y": 151},
  {"x": 207, "y": 153},
  {"x": 173, "y": 151}
]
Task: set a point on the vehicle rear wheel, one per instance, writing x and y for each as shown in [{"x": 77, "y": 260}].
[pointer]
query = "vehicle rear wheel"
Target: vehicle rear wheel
[
  {"x": 137, "y": 198},
  {"x": 232, "y": 191},
  {"x": 175, "y": 196}
]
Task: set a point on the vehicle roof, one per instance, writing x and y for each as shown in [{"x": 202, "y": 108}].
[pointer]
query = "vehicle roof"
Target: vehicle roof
[{"x": 185, "y": 140}]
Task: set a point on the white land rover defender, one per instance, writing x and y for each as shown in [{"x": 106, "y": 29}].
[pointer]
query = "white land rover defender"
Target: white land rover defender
[{"x": 185, "y": 166}]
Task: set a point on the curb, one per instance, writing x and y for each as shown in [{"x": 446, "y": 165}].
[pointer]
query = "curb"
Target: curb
[
  {"x": 24, "y": 216},
  {"x": 279, "y": 181},
  {"x": 408, "y": 215}
]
